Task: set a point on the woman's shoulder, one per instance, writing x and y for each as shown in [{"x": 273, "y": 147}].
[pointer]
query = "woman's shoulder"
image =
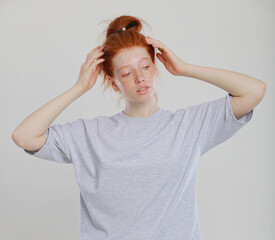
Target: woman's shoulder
[
  {"x": 100, "y": 123},
  {"x": 97, "y": 123}
]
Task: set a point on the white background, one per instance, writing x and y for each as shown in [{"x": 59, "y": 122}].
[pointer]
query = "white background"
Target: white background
[{"x": 44, "y": 43}]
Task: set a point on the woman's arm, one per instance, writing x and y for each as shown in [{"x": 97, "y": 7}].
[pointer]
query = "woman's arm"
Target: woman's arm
[
  {"x": 246, "y": 91},
  {"x": 30, "y": 132},
  {"x": 36, "y": 124},
  {"x": 237, "y": 84}
]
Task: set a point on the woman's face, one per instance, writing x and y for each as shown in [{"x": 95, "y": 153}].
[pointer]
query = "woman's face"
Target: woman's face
[{"x": 133, "y": 68}]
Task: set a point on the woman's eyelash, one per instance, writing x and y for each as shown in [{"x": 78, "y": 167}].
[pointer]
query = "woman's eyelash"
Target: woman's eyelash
[{"x": 125, "y": 75}]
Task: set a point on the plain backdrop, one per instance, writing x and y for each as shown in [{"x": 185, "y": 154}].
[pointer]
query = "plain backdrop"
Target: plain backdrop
[{"x": 44, "y": 43}]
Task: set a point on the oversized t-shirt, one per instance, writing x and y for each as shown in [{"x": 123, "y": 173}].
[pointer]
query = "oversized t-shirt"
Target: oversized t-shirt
[{"x": 137, "y": 176}]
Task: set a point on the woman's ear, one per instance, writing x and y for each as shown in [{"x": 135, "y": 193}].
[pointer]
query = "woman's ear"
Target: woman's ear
[{"x": 113, "y": 84}]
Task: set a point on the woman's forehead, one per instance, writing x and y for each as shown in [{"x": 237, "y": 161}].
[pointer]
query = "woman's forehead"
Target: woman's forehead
[{"x": 130, "y": 56}]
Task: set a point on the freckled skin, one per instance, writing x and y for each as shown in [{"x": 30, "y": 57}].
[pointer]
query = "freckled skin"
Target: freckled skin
[{"x": 140, "y": 70}]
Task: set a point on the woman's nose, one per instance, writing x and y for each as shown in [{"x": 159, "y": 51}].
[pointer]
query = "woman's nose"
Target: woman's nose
[{"x": 140, "y": 76}]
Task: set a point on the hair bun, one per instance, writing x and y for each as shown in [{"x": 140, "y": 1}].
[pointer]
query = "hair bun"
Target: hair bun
[
  {"x": 132, "y": 24},
  {"x": 124, "y": 22}
]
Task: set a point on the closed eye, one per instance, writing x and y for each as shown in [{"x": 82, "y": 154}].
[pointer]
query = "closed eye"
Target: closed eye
[{"x": 125, "y": 75}]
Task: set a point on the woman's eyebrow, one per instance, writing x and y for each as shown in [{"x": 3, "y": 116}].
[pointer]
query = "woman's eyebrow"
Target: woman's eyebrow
[{"x": 129, "y": 65}]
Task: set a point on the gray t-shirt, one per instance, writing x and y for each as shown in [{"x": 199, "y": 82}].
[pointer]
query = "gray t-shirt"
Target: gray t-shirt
[{"x": 137, "y": 176}]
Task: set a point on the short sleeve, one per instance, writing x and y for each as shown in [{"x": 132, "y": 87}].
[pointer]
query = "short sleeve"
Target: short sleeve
[
  {"x": 218, "y": 122},
  {"x": 59, "y": 138}
]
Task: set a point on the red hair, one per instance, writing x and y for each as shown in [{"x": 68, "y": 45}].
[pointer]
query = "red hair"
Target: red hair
[{"x": 116, "y": 40}]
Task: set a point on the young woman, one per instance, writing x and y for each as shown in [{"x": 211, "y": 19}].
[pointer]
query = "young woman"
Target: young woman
[{"x": 136, "y": 170}]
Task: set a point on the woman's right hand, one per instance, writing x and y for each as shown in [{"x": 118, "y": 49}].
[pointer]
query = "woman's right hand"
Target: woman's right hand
[{"x": 90, "y": 69}]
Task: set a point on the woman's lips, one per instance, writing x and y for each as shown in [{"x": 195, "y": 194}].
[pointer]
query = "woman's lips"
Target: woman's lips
[{"x": 143, "y": 91}]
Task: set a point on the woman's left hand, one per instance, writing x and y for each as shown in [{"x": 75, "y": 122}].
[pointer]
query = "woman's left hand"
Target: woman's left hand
[{"x": 170, "y": 60}]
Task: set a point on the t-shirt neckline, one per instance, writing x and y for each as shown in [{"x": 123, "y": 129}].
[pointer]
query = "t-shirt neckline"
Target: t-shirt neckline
[{"x": 155, "y": 116}]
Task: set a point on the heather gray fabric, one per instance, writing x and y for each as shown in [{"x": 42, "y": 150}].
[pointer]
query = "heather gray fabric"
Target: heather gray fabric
[{"x": 137, "y": 176}]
